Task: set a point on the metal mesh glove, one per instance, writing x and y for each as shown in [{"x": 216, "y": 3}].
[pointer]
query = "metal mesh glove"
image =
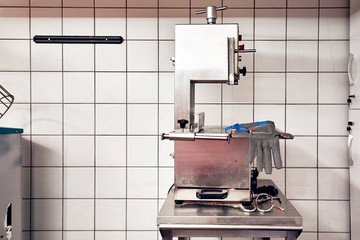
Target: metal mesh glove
[{"x": 264, "y": 143}]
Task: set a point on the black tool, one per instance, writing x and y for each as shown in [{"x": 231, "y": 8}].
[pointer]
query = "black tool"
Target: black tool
[{"x": 78, "y": 39}]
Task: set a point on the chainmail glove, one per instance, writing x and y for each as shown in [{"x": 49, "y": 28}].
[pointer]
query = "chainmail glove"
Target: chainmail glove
[{"x": 264, "y": 143}]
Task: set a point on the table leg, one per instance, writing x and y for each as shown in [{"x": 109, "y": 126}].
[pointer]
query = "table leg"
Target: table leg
[
  {"x": 291, "y": 235},
  {"x": 166, "y": 235}
]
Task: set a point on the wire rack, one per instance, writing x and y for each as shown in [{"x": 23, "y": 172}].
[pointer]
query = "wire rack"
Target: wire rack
[{"x": 6, "y": 100}]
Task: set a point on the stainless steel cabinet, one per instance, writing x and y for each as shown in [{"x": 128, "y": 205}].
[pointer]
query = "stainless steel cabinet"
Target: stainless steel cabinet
[
  {"x": 10, "y": 184},
  {"x": 354, "y": 162},
  {"x": 354, "y": 57},
  {"x": 354, "y": 117}
]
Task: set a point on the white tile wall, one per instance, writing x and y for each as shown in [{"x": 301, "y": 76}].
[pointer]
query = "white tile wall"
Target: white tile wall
[
  {"x": 269, "y": 88},
  {"x": 110, "y": 87},
  {"x": 120, "y": 235},
  {"x": 339, "y": 189},
  {"x": 265, "y": 19},
  {"x": 300, "y": 183},
  {"x": 46, "y": 214},
  {"x": 270, "y": 59},
  {"x": 47, "y": 182},
  {"x": 142, "y": 88},
  {"x": 105, "y": 18},
  {"x": 111, "y": 183},
  {"x": 78, "y": 151},
  {"x": 301, "y": 152},
  {"x": 46, "y": 151},
  {"x": 78, "y": 214},
  {"x": 76, "y": 182},
  {"x": 333, "y": 24},
  {"x": 110, "y": 119},
  {"x": 110, "y": 214},
  {"x": 302, "y": 56},
  {"x": 81, "y": 235},
  {"x": 308, "y": 210},
  {"x": 46, "y": 118},
  {"x": 301, "y": 88},
  {"x": 79, "y": 57},
  {"x": 329, "y": 223},
  {"x": 332, "y": 152},
  {"x": 15, "y": 55},
  {"x": 41, "y": 63},
  {"x": 110, "y": 58},
  {"x": 46, "y": 87},
  {"x": 51, "y": 15},
  {"x": 110, "y": 151},
  {"x": 14, "y": 79},
  {"x": 168, "y": 19},
  {"x": 92, "y": 115},
  {"x": 302, "y": 23},
  {"x": 20, "y": 23}
]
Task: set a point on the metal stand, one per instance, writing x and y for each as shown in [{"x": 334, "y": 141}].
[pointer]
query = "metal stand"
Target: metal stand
[{"x": 186, "y": 221}]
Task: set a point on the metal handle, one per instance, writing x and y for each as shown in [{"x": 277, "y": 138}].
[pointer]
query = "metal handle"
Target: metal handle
[
  {"x": 188, "y": 136},
  {"x": 211, "y": 13},
  {"x": 232, "y": 67},
  {"x": 349, "y": 67},
  {"x": 215, "y": 8},
  {"x": 245, "y": 50},
  {"x": 212, "y": 194}
]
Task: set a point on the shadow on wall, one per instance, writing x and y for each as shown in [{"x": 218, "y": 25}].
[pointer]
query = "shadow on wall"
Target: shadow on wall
[{"x": 46, "y": 179}]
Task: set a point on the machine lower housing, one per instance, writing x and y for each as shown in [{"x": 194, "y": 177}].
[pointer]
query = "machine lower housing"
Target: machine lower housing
[{"x": 212, "y": 170}]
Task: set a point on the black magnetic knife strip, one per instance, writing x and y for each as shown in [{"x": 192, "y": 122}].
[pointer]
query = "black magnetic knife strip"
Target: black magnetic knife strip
[{"x": 78, "y": 39}]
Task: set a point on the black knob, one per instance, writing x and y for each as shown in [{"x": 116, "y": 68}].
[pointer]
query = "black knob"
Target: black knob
[
  {"x": 350, "y": 98},
  {"x": 183, "y": 122},
  {"x": 243, "y": 71},
  {"x": 351, "y": 123},
  {"x": 348, "y": 129}
]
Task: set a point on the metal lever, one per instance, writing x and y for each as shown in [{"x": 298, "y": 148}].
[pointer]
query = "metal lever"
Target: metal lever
[{"x": 211, "y": 15}]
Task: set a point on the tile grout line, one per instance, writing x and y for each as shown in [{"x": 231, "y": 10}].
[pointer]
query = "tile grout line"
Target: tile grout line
[
  {"x": 254, "y": 64},
  {"x": 317, "y": 125},
  {"x": 158, "y": 111},
  {"x": 62, "y": 128},
  {"x": 254, "y": 67},
  {"x": 222, "y": 85},
  {"x": 31, "y": 135},
  {"x": 126, "y": 121},
  {"x": 95, "y": 129},
  {"x": 285, "y": 91}
]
